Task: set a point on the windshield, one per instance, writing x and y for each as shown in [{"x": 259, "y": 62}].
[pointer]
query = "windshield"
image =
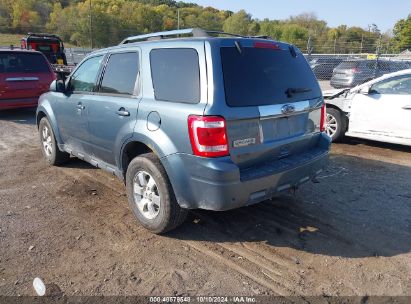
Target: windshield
[
  {"x": 22, "y": 62},
  {"x": 262, "y": 76}
]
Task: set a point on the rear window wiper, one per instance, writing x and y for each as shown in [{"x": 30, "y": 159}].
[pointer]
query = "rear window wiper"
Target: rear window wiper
[{"x": 291, "y": 91}]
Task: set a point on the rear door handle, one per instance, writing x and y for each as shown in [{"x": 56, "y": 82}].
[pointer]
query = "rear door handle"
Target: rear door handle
[
  {"x": 408, "y": 107},
  {"x": 80, "y": 106},
  {"x": 123, "y": 112}
]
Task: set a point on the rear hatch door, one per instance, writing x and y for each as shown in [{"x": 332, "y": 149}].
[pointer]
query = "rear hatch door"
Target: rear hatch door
[
  {"x": 274, "y": 101},
  {"x": 24, "y": 75}
]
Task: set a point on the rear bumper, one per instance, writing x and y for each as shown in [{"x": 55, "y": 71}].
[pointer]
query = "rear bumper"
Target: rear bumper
[
  {"x": 218, "y": 184},
  {"x": 339, "y": 83},
  {"x": 18, "y": 103}
]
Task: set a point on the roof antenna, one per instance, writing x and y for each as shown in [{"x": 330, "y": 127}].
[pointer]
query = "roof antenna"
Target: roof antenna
[{"x": 238, "y": 46}]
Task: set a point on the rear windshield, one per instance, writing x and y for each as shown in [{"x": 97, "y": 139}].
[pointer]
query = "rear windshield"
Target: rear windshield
[
  {"x": 263, "y": 76},
  {"x": 22, "y": 62},
  {"x": 348, "y": 64}
]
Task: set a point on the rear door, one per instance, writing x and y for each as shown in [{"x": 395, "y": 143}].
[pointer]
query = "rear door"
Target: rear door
[
  {"x": 273, "y": 101},
  {"x": 384, "y": 113},
  {"x": 112, "y": 111},
  {"x": 23, "y": 75}
]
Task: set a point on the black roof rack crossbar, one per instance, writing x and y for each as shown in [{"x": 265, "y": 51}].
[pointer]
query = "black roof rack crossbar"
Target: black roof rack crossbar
[
  {"x": 224, "y": 33},
  {"x": 194, "y": 32}
]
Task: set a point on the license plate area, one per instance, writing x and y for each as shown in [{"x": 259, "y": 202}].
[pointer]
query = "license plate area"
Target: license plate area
[{"x": 284, "y": 127}]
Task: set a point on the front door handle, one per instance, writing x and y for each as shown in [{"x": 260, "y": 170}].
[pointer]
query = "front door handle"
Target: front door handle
[
  {"x": 80, "y": 106},
  {"x": 123, "y": 112},
  {"x": 408, "y": 107}
]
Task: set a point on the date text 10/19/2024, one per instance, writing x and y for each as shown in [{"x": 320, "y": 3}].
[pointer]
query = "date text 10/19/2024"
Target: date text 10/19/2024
[{"x": 203, "y": 299}]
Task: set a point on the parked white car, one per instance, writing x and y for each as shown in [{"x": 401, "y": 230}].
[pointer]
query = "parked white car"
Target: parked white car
[{"x": 377, "y": 110}]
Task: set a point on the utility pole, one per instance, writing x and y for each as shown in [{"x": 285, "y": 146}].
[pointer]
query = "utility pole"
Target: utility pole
[
  {"x": 362, "y": 40},
  {"x": 178, "y": 18},
  {"x": 309, "y": 46},
  {"x": 378, "y": 51},
  {"x": 91, "y": 24}
]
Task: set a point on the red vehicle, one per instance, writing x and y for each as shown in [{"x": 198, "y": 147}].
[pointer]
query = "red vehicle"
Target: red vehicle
[{"x": 24, "y": 76}]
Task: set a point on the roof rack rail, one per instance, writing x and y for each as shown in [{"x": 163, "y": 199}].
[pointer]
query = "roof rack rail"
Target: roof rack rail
[{"x": 195, "y": 32}]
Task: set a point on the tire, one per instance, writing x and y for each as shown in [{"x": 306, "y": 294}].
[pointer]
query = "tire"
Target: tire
[
  {"x": 151, "y": 196},
  {"x": 335, "y": 124},
  {"x": 50, "y": 150}
]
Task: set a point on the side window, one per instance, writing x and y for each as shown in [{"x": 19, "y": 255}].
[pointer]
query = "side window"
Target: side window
[
  {"x": 176, "y": 75},
  {"x": 84, "y": 78},
  {"x": 120, "y": 74},
  {"x": 397, "y": 85}
]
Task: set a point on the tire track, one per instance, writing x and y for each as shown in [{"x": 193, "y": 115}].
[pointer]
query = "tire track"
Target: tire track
[{"x": 272, "y": 272}]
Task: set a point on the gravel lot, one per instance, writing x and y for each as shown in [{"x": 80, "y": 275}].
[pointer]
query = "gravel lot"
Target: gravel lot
[{"x": 349, "y": 234}]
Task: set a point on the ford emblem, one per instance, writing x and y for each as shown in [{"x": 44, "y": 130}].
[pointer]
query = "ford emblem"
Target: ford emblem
[{"x": 287, "y": 109}]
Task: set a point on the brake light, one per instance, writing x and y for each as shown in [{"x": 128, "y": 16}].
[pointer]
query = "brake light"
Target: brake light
[
  {"x": 323, "y": 118},
  {"x": 354, "y": 70},
  {"x": 208, "y": 136},
  {"x": 266, "y": 45}
]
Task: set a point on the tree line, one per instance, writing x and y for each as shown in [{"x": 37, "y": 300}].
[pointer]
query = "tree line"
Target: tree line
[{"x": 106, "y": 22}]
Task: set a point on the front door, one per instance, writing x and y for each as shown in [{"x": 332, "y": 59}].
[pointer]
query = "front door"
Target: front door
[
  {"x": 72, "y": 106},
  {"x": 384, "y": 112}
]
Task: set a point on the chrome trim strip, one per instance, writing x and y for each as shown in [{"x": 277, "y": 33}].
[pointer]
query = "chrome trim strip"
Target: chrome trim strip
[
  {"x": 272, "y": 111},
  {"x": 22, "y": 79}
]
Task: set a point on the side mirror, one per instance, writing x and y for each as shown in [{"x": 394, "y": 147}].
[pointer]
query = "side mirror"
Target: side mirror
[
  {"x": 365, "y": 90},
  {"x": 57, "y": 86}
]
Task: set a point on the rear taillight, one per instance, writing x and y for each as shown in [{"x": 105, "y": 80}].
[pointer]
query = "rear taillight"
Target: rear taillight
[
  {"x": 323, "y": 118},
  {"x": 354, "y": 70},
  {"x": 208, "y": 135}
]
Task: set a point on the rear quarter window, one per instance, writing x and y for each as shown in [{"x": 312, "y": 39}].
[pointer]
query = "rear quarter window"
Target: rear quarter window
[
  {"x": 23, "y": 62},
  {"x": 175, "y": 74}
]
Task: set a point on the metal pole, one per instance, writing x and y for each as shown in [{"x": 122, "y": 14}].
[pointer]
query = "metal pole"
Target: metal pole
[
  {"x": 91, "y": 24},
  {"x": 362, "y": 40},
  {"x": 178, "y": 19}
]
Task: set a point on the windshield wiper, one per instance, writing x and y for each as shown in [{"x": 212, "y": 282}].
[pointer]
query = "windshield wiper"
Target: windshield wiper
[{"x": 291, "y": 91}]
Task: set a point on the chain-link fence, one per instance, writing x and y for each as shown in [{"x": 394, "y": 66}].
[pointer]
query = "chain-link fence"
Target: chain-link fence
[
  {"x": 75, "y": 55},
  {"x": 331, "y": 70}
]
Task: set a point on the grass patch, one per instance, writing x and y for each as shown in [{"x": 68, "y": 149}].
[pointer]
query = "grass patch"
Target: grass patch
[{"x": 8, "y": 39}]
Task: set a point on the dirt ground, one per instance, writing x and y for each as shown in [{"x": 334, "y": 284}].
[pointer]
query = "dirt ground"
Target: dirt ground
[{"x": 349, "y": 234}]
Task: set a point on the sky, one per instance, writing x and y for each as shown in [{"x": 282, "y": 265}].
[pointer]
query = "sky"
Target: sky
[{"x": 383, "y": 13}]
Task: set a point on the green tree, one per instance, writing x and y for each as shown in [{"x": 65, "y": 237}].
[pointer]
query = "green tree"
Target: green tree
[
  {"x": 238, "y": 23},
  {"x": 402, "y": 34}
]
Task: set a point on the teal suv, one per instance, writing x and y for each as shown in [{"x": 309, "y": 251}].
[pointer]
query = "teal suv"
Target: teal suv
[{"x": 190, "y": 119}]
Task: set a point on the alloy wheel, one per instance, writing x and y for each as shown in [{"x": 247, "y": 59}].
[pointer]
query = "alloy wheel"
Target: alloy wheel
[
  {"x": 47, "y": 141},
  {"x": 146, "y": 195},
  {"x": 331, "y": 125}
]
